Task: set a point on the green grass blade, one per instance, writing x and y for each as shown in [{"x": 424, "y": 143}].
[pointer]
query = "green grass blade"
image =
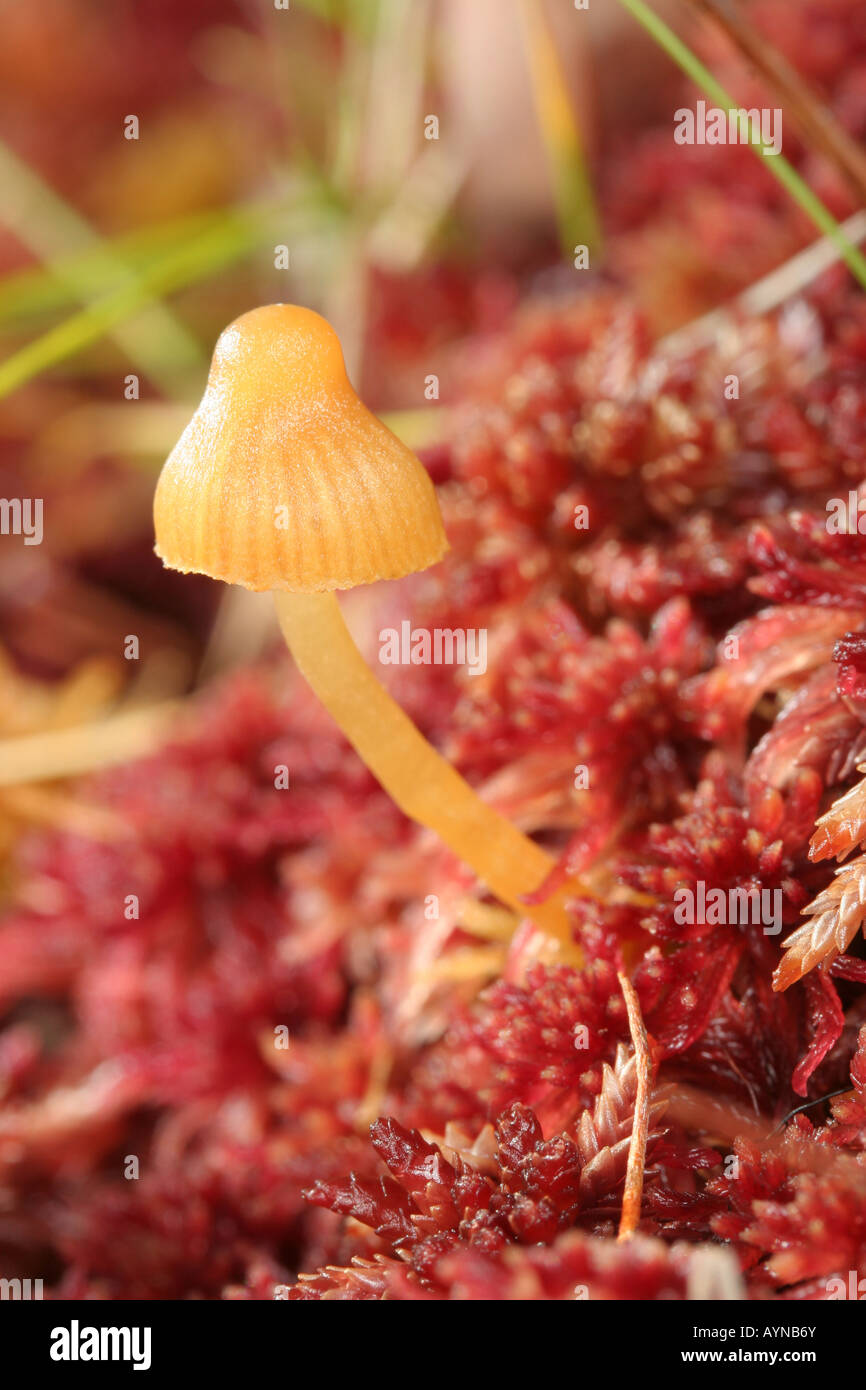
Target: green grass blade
[
  {"x": 47, "y": 225},
  {"x": 195, "y": 260},
  {"x": 777, "y": 164},
  {"x": 576, "y": 212},
  {"x": 300, "y": 211},
  {"x": 38, "y": 290}
]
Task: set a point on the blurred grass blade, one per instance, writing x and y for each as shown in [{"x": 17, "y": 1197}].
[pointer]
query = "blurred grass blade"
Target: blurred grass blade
[
  {"x": 41, "y": 290},
  {"x": 234, "y": 234},
  {"x": 421, "y": 427},
  {"x": 357, "y": 16},
  {"x": 403, "y": 234},
  {"x": 818, "y": 124},
  {"x": 768, "y": 293},
  {"x": 159, "y": 344},
  {"x": 396, "y": 77},
  {"x": 194, "y": 260},
  {"x": 787, "y": 175},
  {"x": 576, "y": 212}
]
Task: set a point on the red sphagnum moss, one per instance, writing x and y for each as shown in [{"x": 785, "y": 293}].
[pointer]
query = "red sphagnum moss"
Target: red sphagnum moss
[
  {"x": 699, "y": 651},
  {"x": 499, "y": 1171}
]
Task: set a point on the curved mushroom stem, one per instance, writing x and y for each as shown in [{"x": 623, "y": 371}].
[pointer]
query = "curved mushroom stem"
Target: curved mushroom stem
[{"x": 422, "y": 783}]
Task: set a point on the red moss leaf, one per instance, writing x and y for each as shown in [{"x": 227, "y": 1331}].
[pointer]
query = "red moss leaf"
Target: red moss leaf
[
  {"x": 826, "y": 1022},
  {"x": 380, "y": 1203}
]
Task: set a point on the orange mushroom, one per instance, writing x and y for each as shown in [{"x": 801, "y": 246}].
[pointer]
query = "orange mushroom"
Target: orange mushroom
[{"x": 284, "y": 480}]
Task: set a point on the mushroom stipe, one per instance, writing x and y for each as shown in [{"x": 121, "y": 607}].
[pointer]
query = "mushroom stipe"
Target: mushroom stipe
[{"x": 422, "y": 783}]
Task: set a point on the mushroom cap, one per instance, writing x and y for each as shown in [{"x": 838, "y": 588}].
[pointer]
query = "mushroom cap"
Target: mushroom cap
[{"x": 283, "y": 479}]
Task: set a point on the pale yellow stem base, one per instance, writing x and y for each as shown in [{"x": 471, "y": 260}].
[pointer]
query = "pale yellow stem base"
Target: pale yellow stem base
[{"x": 421, "y": 782}]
